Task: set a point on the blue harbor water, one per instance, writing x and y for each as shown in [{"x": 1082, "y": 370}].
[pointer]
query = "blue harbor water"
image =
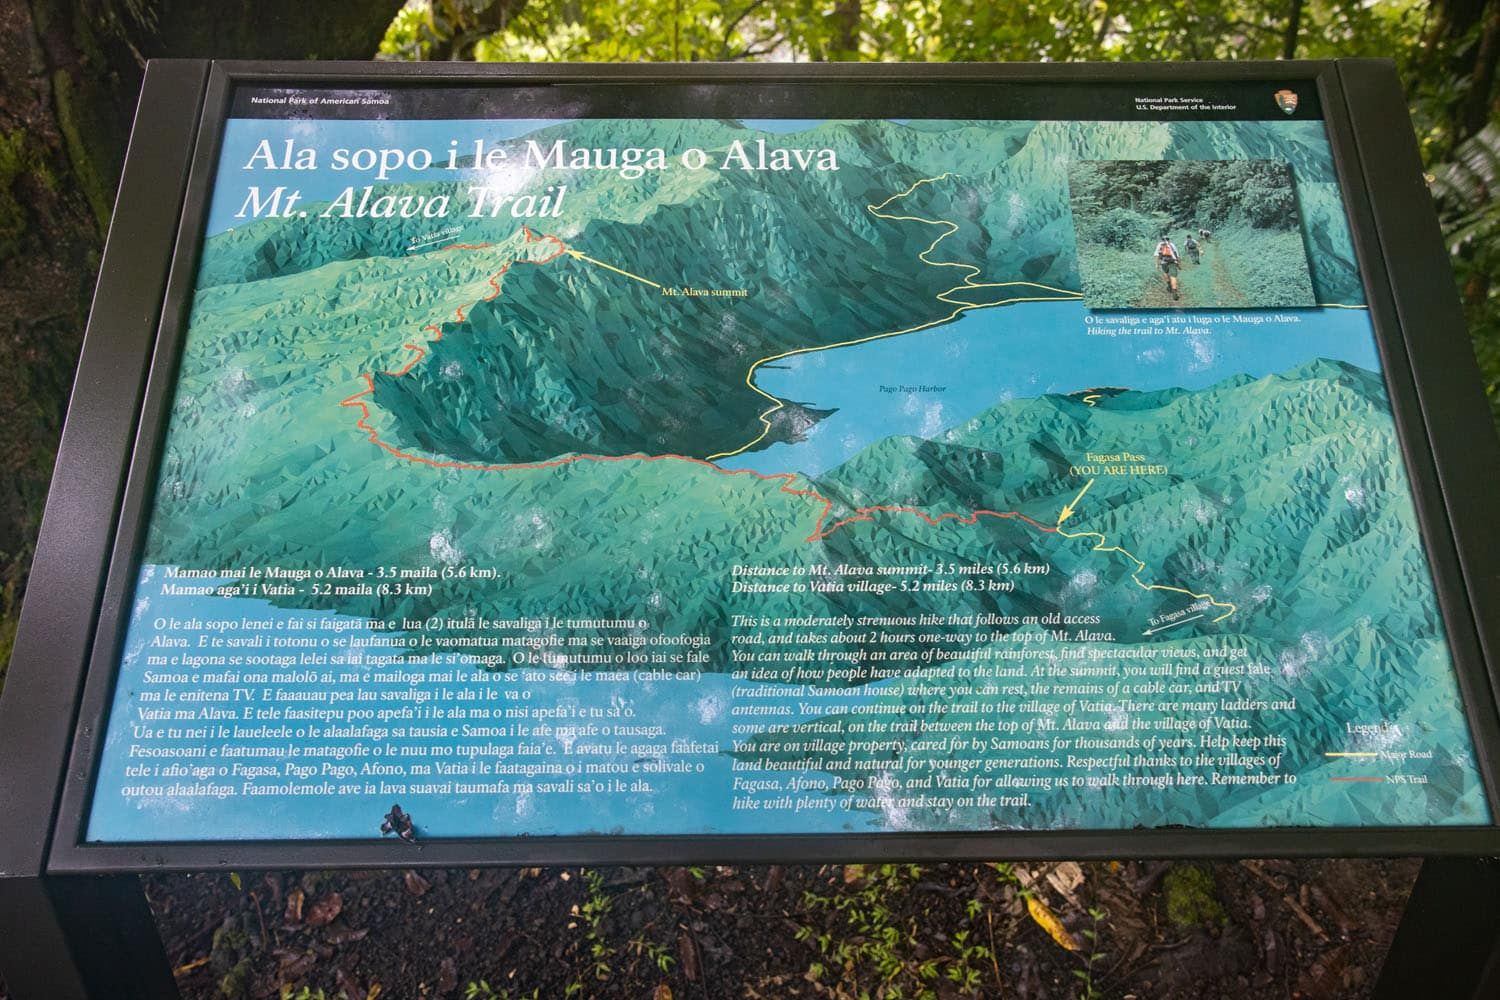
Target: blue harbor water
[{"x": 988, "y": 357}]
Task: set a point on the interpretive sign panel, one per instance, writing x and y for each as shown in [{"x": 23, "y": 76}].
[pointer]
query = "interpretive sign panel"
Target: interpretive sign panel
[{"x": 745, "y": 459}]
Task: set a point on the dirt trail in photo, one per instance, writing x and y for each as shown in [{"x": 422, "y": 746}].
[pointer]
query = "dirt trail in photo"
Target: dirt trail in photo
[
  {"x": 1158, "y": 296},
  {"x": 1201, "y": 286},
  {"x": 1225, "y": 292}
]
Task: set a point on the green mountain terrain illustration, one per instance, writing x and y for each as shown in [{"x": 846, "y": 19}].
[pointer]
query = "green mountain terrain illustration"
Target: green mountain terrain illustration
[
  {"x": 362, "y": 442},
  {"x": 1282, "y": 519},
  {"x": 546, "y": 422},
  {"x": 578, "y": 359},
  {"x": 1283, "y": 498}
]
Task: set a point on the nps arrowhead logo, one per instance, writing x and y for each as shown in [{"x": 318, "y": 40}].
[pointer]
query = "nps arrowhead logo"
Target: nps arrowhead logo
[{"x": 1286, "y": 100}]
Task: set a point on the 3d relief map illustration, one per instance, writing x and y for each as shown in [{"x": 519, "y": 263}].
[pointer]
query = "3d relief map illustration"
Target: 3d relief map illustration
[{"x": 690, "y": 476}]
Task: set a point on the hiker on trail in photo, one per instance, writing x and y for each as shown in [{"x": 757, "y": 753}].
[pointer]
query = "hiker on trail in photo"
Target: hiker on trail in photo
[
  {"x": 1205, "y": 235},
  {"x": 1195, "y": 252},
  {"x": 1168, "y": 263}
]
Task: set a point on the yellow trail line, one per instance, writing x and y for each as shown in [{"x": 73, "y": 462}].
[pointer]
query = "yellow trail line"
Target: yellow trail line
[
  {"x": 1063, "y": 294},
  {"x": 960, "y": 306},
  {"x": 1140, "y": 565},
  {"x": 1340, "y": 305},
  {"x": 578, "y": 255}
]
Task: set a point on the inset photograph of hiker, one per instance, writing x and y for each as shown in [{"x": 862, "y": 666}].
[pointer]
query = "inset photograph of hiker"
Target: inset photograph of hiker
[{"x": 1188, "y": 234}]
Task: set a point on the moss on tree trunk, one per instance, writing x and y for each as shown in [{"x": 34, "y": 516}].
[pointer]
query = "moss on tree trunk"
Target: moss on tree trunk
[{"x": 73, "y": 72}]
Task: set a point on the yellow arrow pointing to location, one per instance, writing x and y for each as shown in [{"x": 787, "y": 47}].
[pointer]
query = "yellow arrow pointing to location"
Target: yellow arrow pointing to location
[
  {"x": 611, "y": 267},
  {"x": 1067, "y": 510}
]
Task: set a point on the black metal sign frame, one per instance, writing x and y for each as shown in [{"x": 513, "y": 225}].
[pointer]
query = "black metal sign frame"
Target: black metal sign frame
[{"x": 51, "y": 724}]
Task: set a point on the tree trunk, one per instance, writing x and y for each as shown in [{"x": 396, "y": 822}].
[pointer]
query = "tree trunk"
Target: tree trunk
[
  {"x": 271, "y": 29},
  {"x": 73, "y": 72},
  {"x": 846, "y": 17},
  {"x": 1455, "y": 22},
  {"x": 459, "y": 25},
  {"x": 50, "y": 231},
  {"x": 1293, "y": 29},
  {"x": 1480, "y": 103}
]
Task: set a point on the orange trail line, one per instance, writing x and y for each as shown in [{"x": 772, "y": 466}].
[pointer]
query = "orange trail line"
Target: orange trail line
[
  {"x": 786, "y": 479},
  {"x": 421, "y": 353}
]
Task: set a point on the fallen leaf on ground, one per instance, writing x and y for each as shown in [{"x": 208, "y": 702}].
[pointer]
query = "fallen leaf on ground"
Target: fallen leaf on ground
[
  {"x": 322, "y": 912},
  {"x": 294, "y": 906},
  {"x": 415, "y": 884},
  {"x": 1047, "y": 921},
  {"x": 689, "y": 951},
  {"x": 296, "y": 966},
  {"x": 345, "y": 935},
  {"x": 680, "y": 882},
  {"x": 662, "y": 992},
  {"x": 1066, "y": 878}
]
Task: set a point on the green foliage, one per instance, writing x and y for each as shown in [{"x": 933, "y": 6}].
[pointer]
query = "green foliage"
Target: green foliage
[
  {"x": 10, "y": 618},
  {"x": 909, "y": 30},
  {"x": 1190, "y": 898},
  {"x": 92, "y": 156},
  {"x": 1436, "y": 47},
  {"x": 1119, "y": 228},
  {"x": 658, "y": 955},
  {"x": 1122, "y": 207},
  {"x": 1268, "y": 268},
  {"x": 235, "y": 983},
  {"x": 593, "y": 911},
  {"x": 308, "y": 993},
  {"x": 1115, "y": 277},
  {"x": 1207, "y": 193},
  {"x": 1089, "y": 989},
  {"x": 18, "y": 158},
  {"x": 482, "y": 990},
  {"x": 230, "y": 958},
  {"x": 1467, "y": 189},
  {"x": 866, "y": 950}
]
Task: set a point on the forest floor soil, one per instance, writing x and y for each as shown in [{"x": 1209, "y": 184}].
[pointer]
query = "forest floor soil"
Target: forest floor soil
[{"x": 1167, "y": 931}]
